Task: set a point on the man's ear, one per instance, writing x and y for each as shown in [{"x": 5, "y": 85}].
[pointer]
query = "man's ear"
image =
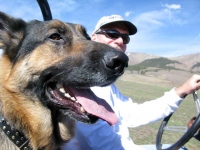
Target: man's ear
[{"x": 94, "y": 37}]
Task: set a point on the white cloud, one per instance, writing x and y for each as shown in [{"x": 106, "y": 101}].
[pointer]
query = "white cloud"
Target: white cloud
[
  {"x": 174, "y": 14},
  {"x": 153, "y": 43},
  {"x": 21, "y": 9},
  {"x": 29, "y": 10},
  {"x": 153, "y": 20},
  {"x": 62, "y": 7},
  {"x": 66, "y": 5},
  {"x": 149, "y": 21},
  {"x": 173, "y": 6},
  {"x": 155, "y": 33},
  {"x": 128, "y": 13}
]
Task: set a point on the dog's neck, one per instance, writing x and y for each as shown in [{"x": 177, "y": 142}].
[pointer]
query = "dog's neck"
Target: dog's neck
[{"x": 14, "y": 135}]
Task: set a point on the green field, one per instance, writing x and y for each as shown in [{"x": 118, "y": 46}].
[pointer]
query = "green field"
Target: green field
[{"x": 141, "y": 92}]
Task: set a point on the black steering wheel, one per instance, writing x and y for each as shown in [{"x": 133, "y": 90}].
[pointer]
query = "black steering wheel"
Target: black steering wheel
[{"x": 187, "y": 135}]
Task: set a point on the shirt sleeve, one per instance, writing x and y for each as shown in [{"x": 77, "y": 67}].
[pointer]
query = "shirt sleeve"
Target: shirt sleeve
[{"x": 134, "y": 114}]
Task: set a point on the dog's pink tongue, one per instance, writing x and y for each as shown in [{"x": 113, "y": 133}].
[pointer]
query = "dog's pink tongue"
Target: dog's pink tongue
[{"x": 94, "y": 105}]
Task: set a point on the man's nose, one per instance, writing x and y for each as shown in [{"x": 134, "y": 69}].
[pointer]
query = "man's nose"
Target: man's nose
[
  {"x": 119, "y": 40},
  {"x": 120, "y": 44}
]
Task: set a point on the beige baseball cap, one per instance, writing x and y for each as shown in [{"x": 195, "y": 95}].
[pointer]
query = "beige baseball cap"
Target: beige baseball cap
[{"x": 115, "y": 18}]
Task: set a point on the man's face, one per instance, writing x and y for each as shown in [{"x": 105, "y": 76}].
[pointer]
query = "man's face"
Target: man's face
[{"x": 115, "y": 43}]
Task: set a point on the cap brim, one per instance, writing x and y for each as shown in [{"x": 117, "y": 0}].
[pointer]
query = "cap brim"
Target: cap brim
[{"x": 131, "y": 27}]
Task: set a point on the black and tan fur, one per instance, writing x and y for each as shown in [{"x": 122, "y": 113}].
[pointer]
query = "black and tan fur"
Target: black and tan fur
[{"x": 37, "y": 55}]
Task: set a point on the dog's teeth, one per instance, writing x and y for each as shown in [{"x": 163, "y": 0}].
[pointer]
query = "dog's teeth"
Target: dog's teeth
[
  {"x": 59, "y": 86},
  {"x": 67, "y": 95},
  {"x": 62, "y": 90},
  {"x": 82, "y": 109},
  {"x": 73, "y": 99}
]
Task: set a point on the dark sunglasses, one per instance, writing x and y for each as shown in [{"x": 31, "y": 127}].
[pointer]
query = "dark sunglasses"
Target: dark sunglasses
[{"x": 114, "y": 34}]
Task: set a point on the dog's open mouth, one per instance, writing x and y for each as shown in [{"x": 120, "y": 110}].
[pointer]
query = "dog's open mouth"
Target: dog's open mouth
[{"x": 82, "y": 104}]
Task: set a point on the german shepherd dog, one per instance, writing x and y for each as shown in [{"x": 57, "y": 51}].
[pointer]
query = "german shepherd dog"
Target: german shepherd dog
[{"x": 46, "y": 69}]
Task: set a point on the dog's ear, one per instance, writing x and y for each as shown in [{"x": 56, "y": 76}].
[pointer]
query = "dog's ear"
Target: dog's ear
[
  {"x": 11, "y": 34},
  {"x": 83, "y": 31}
]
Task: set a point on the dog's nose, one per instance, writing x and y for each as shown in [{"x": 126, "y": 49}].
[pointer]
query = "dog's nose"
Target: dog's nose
[{"x": 116, "y": 61}]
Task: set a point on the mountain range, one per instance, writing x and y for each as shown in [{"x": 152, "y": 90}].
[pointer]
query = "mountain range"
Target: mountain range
[{"x": 143, "y": 61}]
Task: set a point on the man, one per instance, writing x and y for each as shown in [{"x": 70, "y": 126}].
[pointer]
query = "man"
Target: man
[{"x": 114, "y": 31}]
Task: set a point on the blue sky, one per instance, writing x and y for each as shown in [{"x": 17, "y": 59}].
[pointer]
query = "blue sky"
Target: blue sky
[{"x": 165, "y": 27}]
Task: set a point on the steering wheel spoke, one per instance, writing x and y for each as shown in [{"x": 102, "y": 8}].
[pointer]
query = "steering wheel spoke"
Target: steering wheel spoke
[
  {"x": 197, "y": 102},
  {"x": 175, "y": 128}
]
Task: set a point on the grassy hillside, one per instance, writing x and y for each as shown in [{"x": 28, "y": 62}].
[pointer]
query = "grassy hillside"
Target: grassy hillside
[{"x": 159, "y": 63}]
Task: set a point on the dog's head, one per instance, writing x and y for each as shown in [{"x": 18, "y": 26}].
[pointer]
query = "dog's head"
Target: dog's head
[{"x": 52, "y": 64}]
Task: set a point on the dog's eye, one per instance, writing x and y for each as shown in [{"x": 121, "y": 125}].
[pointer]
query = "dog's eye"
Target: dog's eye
[{"x": 55, "y": 36}]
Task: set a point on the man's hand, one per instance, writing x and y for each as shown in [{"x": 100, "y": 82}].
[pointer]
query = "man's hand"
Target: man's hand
[{"x": 190, "y": 86}]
